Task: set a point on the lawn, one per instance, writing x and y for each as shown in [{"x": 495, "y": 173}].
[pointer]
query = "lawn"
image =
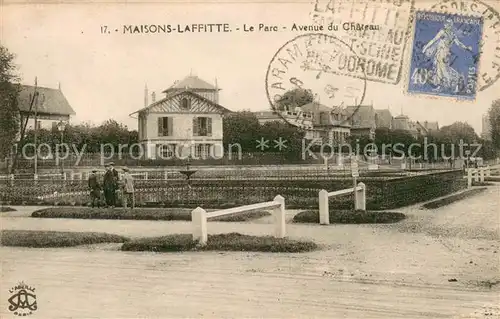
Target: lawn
[
  {"x": 220, "y": 242},
  {"x": 45, "y": 239},
  {"x": 138, "y": 214},
  {"x": 350, "y": 217},
  {"x": 453, "y": 198},
  {"x": 5, "y": 209}
]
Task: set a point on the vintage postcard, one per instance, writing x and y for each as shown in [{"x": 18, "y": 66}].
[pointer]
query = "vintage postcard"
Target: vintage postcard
[{"x": 250, "y": 159}]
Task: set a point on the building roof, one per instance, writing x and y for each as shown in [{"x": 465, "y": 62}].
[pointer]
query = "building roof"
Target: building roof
[
  {"x": 362, "y": 116},
  {"x": 171, "y": 95},
  {"x": 402, "y": 117},
  {"x": 384, "y": 118},
  {"x": 430, "y": 126},
  {"x": 50, "y": 101},
  {"x": 191, "y": 82}
]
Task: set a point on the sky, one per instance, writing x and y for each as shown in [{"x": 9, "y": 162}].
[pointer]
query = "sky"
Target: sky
[{"x": 103, "y": 75}]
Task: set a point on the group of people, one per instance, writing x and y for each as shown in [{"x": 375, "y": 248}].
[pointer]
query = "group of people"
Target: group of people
[{"x": 112, "y": 184}]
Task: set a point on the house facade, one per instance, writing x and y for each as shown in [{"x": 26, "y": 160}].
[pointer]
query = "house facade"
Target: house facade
[
  {"x": 320, "y": 123},
  {"x": 187, "y": 122},
  {"x": 48, "y": 105}
]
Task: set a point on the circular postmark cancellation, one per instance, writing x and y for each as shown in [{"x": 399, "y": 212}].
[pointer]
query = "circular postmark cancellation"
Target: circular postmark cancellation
[
  {"x": 489, "y": 55},
  {"x": 313, "y": 82}
]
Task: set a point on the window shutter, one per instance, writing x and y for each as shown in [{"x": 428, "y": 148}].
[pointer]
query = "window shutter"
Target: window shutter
[
  {"x": 160, "y": 126},
  {"x": 209, "y": 126},
  {"x": 170, "y": 126},
  {"x": 195, "y": 126}
]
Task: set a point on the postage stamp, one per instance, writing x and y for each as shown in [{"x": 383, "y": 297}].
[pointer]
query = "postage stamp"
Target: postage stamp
[
  {"x": 320, "y": 64},
  {"x": 489, "y": 69},
  {"x": 383, "y": 46},
  {"x": 445, "y": 55}
]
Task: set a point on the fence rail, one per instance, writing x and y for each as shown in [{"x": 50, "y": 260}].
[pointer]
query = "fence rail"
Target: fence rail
[
  {"x": 199, "y": 217},
  {"x": 324, "y": 209}
]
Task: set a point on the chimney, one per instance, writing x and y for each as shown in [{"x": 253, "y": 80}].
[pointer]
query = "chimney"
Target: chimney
[
  {"x": 146, "y": 95},
  {"x": 153, "y": 97}
]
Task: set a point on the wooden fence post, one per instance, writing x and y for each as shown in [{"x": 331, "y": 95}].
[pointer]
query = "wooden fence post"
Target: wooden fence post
[
  {"x": 476, "y": 175},
  {"x": 488, "y": 171},
  {"x": 279, "y": 217},
  {"x": 11, "y": 179},
  {"x": 482, "y": 169},
  {"x": 360, "y": 203},
  {"x": 199, "y": 221},
  {"x": 165, "y": 176},
  {"x": 324, "y": 213}
]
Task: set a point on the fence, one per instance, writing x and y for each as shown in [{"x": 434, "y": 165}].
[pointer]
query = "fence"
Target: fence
[
  {"x": 479, "y": 174},
  {"x": 199, "y": 217},
  {"x": 381, "y": 192},
  {"x": 359, "y": 201}
]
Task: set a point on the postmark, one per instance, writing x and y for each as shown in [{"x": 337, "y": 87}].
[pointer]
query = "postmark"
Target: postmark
[
  {"x": 489, "y": 69},
  {"x": 445, "y": 55},
  {"x": 384, "y": 46},
  {"x": 320, "y": 65}
]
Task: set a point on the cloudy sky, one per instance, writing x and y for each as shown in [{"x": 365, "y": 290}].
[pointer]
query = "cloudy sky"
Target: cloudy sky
[{"x": 103, "y": 75}]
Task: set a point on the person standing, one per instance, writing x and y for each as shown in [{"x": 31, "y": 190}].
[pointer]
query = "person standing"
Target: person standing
[
  {"x": 95, "y": 189},
  {"x": 110, "y": 185},
  {"x": 128, "y": 189}
]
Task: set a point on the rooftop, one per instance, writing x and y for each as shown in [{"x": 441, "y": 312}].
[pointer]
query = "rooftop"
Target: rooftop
[
  {"x": 50, "y": 101},
  {"x": 192, "y": 82}
]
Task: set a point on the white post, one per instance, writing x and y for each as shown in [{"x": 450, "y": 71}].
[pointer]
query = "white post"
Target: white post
[
  {"x": 71, "y": 175},
  {"x": 279, "y": 217},
  {"x": 476, "y": 175},
  {"x": 469, "y": 178},
  {"x": 146, "y": 175},
  {"x": 482, "y": 169},
  {"x": 11, "y": 179},
  {"x": 35, "y": 179},
  {"x": 64, "y": 176},
  {"x": 199, "y": 220},
  {"x": 488, "y": 171},
  {"x": 165, "y": 176},
  {"x": 360, "y": 203},
  {"x": 324, "y": 213}
]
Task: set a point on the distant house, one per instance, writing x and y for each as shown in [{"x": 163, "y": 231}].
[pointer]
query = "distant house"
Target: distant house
[
  {"x": 319, "y": 122},
  {"x": 187, "y": 121},
  {"x": 330, "y": 125},
  {"x": 383, "y": 119},
  {"x": 486, "y": 127},
  {"x": 363, "y": 120},
  {"x": 50, "y": 106}
]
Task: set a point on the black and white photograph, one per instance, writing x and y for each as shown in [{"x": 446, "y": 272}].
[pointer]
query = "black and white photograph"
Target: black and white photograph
[{"x": 250, "y": 159}]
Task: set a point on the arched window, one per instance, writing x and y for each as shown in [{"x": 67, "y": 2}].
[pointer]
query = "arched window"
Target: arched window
[{"x": 185, "y": 103}]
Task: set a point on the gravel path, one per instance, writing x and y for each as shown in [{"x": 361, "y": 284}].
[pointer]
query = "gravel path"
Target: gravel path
[{"x": 441, "y": 263}]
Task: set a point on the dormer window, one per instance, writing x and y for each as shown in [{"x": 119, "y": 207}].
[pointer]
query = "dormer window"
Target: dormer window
[{"x": 185, "y": 103}]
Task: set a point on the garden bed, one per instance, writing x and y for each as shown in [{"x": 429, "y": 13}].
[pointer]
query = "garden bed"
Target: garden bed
[
  {"x": 5, "y": 209},
  {"x": 138, "y": 214},
  {"x": 45, "y": 239},
  {"x": 220, "y": 242},
  {"x": 453, "y": 198},
  {"x": 350, "y": 217}
]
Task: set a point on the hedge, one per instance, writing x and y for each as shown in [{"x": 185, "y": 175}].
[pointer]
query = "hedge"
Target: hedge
[{"x": 41, "y": 239}]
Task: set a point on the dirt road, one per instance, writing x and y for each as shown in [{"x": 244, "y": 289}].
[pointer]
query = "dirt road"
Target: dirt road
[{"x": 398, "y": 271}]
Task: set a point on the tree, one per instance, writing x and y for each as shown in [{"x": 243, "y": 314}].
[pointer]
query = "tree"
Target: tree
[
  {"x": 294, "y": 98},
  {"x": 9, "y": 112},
  {"x": 241, "y": 128},
  {"x": 494, "y": 117}
]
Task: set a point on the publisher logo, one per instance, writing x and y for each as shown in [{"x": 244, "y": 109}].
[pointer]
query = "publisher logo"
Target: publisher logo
[{"x": 22, "y": 301}]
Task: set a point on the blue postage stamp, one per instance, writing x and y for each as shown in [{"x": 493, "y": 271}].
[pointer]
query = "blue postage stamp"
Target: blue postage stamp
[{"x": 445, "y": 55}]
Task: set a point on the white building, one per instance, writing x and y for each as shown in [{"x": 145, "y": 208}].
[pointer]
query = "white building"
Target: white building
[{"x": 186, "y": 122}]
